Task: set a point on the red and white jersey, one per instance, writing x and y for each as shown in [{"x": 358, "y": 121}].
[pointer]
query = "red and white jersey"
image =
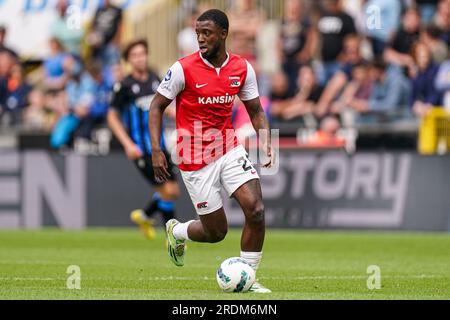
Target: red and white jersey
[{"x": 204, "y": 100}]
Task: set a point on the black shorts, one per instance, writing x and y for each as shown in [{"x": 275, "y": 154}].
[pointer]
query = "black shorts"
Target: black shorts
[{"x": 145, "y": 166}]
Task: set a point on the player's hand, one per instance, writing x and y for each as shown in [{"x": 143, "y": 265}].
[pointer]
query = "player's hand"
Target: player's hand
[
  {"x": 160, "y": 167},
  {"x": 269, "y": 153},
  {"x": 133, "y": 151}
]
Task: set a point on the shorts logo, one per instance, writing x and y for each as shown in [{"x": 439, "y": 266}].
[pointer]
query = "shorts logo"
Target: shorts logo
[{"x": 202, "y": 205}]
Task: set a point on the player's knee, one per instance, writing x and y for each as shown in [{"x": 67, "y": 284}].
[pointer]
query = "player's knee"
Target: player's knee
[
  {"x": 256, "y": 212},
  {"x": 218, "y": 235}
]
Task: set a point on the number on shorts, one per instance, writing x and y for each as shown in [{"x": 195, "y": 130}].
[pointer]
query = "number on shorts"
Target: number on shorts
[{"x": 244, "y": 161}]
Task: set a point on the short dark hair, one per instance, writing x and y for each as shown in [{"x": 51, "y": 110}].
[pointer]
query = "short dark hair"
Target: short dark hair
[
  {"x": 131, "y": 45},
  {"x": 216, "y": 16}
]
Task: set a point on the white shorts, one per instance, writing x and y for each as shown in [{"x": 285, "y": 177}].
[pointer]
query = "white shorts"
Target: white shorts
[{"x": 230, "y": 172}]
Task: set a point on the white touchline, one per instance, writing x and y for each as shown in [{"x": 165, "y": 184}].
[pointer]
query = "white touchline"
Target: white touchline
[{"x": 170, "y": 278}]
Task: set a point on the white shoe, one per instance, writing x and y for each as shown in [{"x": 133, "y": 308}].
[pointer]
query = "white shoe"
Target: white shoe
[{"x": 259, "y": 288}]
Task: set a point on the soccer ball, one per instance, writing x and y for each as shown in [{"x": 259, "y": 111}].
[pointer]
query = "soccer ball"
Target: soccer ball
[{"x": 235, "y": 275}]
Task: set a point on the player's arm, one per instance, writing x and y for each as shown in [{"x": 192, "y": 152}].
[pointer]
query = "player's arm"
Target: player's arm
[
  {"x": 157, "y": 108},
  {"x": 261, "y": 126},
  {"x": 170, "y": 87},
  {"x": 249, "y": 95},
  {"x": 132, "y": 151},
  {"x": 115, "y": 124}
]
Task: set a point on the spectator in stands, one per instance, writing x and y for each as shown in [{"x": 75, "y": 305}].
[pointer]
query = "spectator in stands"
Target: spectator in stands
[
  {"x": 94, "y": 114},
  {"x": 424, "y": 94},
  {"x": 389, "y": 94},
  {"x": 81, "y": 90},
  {"x": 246, "y": 19},
  {"x": 359, "y": 88},
  {"x": 297, "y": 40},
  {"x": 3, "y": 85},
  {"x": 442, "y": 20},
  {"x": 431, "y": 38},
  {"x": 280, "y": 93},
  {"x": 442, "y": 83},
  {"x": 6, "y": 64},
  {"x": 187, "y": 38},
  {"x": 427, "y": 9},
  {"x": 69, "y": 35},
  {"x": 17, "y": 92},
  {"x": 303, "y": 103},
  {"x": 398, "y": 51},
  {"x": 36, "y": 115},
  {"x": 380, "y": 29},
  {"x": 105, "y": 34},
  {"x": 3, "y": 47},
  {"x": 58, "y": 67},
  {"x": 334, "y": 25},
  {"x": 350, "y": 57},
  {"x": 327, "y": 135}
]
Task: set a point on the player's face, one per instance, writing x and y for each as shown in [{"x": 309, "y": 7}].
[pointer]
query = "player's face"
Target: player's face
[
  {"x": 138, "y": 58},
  {"x": 210, "y": 37}
]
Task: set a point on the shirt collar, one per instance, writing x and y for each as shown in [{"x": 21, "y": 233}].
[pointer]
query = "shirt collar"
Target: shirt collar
[{"x": 210, "y": 65}]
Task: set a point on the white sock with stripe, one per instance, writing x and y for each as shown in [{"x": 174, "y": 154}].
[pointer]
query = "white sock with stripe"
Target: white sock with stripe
[
  {"x": 180, "y": 231},
  {"x": 253, "y": 258}
]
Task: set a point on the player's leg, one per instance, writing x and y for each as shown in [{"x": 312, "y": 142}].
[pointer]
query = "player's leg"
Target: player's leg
[
  {"x": 169, "y": 192},
  {"x": 204, "y": 189},
  {"x": 163, "y": 200},
  {"x": 249, "y": 197},
  {"x": 241, "y": 181},
  {"x": 209, "y": 228}
]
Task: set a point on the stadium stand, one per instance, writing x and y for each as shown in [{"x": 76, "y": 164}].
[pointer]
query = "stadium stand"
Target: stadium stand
[{"x": 332, "y": 73}]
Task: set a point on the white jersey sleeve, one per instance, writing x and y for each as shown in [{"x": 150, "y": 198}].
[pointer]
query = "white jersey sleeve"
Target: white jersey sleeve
[
  {"x": 249, "y": 90},
  {"x": 173, "y": 82}
]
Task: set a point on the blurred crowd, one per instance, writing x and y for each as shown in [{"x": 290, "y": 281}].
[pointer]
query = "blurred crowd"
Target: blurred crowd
[
  {"x": 69, "y": 93},
  {"x": 325, "y": 65},
  {"x": 333, "y": 64}
]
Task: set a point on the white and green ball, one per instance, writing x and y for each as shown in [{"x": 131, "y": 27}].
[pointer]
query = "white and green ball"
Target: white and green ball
[{"x": 235, "y": 275}]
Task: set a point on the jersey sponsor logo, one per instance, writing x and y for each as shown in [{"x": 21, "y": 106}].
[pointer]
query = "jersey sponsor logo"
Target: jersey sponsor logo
[
  {"x": 168, "y": 75},
  {"x": 215, "y": 100},
  {"x": 234, "y": 77},
  {"x": 202, "y": 205},
  {"x": 198, "y": 86}
]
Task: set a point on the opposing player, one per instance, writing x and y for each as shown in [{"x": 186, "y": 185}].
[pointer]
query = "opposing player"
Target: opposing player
[
  {"x": 128, "y": 119},
  {"x": 209, "y": 157}
]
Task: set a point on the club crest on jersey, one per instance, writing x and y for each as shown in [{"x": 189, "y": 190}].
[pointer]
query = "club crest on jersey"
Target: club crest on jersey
[{"x": 235, "y": 83}]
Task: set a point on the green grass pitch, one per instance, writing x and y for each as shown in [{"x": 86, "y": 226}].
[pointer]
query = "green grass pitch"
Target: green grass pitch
[{"x": 121, "y": 264}]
